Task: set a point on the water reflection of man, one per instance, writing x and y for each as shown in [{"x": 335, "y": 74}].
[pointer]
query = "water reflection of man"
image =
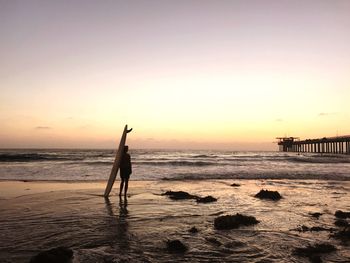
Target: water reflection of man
[
  {"x": 125, "y": 171},
  {"x": 122, "y": 224},
  {"x": 123, "y": 207}
]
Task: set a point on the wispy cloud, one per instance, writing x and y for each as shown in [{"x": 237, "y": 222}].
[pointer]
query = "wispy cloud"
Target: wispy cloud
[
  {"x": 43, "y": 128},
  {"x": 279, "y": 120},
  {"x": 323, "y": 114},
  {"x": 85, "y": 127}
]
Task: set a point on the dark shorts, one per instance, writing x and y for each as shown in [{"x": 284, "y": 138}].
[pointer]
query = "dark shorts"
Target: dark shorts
[{"x": 124, "y": 176}]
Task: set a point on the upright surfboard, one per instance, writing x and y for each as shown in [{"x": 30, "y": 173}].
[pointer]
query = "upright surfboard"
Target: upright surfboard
[{"x": 117, "y": 161}]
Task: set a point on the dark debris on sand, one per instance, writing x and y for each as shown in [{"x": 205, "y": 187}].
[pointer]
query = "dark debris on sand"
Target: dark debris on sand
[
  {"x": 304, "y": 228},
  {"x": 234, "y": 221},
  {"x": 313, "y": 251},
  {"x": 193, "y": 230},
  {"x": 315, "y": 259},
  {"x": 235, "y": 185},
  {"x": 341, "y": 223},
  {"x": 343, "y": 235},
  {"x": 181, "y": 195},
  {"x": 176, "y": 246},
  {"x": 55, "y": 255},
  {"x": 207, "y": 199},
  {"x": 270, "y": 195},
  {"x": 213, "y": 241},
  {"x": 341, "y": 214},
  {"x": 316, "y": 215}
]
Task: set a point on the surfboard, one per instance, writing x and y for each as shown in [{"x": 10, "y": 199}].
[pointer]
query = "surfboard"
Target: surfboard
[{"x": 116, "y": 163}]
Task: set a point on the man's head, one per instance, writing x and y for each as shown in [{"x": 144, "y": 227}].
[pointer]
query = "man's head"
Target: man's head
[{"x": 126, "y": 148}]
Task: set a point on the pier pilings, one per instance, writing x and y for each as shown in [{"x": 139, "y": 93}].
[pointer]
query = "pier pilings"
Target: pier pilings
[{"x": 334, "y": 145}]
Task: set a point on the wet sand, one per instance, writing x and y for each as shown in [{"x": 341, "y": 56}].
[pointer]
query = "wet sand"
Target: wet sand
[{"x": 36, "y": 216}]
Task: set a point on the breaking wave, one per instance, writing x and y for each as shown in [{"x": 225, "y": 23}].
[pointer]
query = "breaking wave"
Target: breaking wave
[
  {"x": 178, "y": 163},
  {"x": 321, "y": 159},
  {"x": 281, "y": 175},
  {"x": 73, "y": 165},
  {"x": 33, "y": 157}
]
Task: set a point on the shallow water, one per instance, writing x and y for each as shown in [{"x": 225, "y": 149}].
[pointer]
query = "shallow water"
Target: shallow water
[{"x": 136, "y": 229}]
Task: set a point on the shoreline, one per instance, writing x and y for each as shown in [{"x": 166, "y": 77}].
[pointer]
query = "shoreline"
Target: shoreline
[
  {"x": 13, "y": 188},
  {"x": 37, "y": 216}
]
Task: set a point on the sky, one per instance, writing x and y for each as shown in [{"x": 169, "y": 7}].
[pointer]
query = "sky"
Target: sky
[{"x": 184, "y": 74}]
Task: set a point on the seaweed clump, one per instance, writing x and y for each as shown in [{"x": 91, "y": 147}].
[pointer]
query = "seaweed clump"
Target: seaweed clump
[
  {"x": 55, "y": 255},
  {"x": 207, "y": 199},
  {"x": 304, "y": 228},
  {"x": 316, "y": 215},
  {"x": 341, "y": 223},
  {"x": 271, "y": 195},
  {"x": 176, "y": 246},
  {"x": 313, "y": 251},
  {"x": 341, "y": 214},
  {"x": 179, "y": 195},
  {"x": 343, "y": 235},
  {"x": 234, "y": 221},
  {"x": 193, "y": 230},
  {"x": 213, "y": 241}
]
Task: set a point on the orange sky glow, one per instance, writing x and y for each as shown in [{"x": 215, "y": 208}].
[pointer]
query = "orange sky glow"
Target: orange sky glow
[{"x": 184, "y": 74}]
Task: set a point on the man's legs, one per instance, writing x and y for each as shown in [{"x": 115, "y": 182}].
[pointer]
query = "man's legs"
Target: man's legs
[
  {"x": 121, "y": 186},
  {"x": 126, "y": 186}
]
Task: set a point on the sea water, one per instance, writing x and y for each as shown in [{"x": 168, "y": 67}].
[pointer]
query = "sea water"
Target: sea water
[
  {"x": 95, "y": 165},
  {"x": 135, "y": 229}
]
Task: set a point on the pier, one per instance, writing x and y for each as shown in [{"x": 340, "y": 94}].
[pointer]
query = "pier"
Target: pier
[{"x": 336, "y": 145}]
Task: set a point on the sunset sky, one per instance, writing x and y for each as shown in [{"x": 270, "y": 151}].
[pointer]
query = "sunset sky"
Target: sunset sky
[{"x": 184, "y": 74}]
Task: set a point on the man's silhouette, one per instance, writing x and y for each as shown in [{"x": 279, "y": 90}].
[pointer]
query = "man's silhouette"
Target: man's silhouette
[{"x": 125, "y": 171}]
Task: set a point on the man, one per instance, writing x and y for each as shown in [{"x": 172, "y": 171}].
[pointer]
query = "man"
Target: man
[{"x": 125, "y": 171}]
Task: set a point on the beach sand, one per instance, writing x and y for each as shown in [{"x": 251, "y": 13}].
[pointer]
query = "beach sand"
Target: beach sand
[{"x": 36, "y": 216}]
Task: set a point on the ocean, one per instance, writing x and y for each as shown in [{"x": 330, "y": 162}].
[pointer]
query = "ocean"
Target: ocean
[
  {"x": 95, "y": 165},
  {"x": 60, "y": 203}
]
